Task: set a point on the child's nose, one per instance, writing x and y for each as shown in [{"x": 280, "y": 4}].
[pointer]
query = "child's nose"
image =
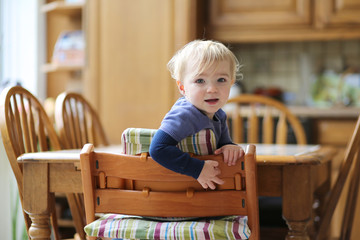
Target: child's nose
[{"x": 212, "y": 88}]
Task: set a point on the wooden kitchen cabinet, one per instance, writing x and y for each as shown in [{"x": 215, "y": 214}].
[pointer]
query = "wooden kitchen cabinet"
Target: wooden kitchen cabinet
[{"x": 282, "y": 20}]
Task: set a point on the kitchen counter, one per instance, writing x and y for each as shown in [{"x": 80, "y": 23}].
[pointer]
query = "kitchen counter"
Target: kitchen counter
[
  {"x": 333, "y": 112},
  {"x": 307, "y": 111}
]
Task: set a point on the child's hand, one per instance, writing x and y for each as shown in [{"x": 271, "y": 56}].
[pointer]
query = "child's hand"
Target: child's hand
[
  {"x": 231, "y": 153},
  {"x": 208, "y": 176}
]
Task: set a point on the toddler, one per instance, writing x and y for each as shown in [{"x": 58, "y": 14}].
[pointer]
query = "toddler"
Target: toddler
[{"x": 204, "y": 72}]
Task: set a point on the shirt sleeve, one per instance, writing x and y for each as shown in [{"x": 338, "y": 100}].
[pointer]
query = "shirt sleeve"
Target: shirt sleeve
[{"x": 163, "y": 150}]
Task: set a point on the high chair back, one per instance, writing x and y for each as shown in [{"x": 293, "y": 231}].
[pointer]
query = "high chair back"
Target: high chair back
[
  {"x": 137, "y": 185},
  {"x": 25, "y": 127},
  {"x": 260, "y": 113}
]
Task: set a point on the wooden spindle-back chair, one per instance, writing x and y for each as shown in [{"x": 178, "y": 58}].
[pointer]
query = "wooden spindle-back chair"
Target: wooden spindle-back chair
[
  {"x": 25, "y": 127},
  {"x": 157, "y": 191},
  {"x": 77, "y": 124},
  {"x": 256, "y": 107}
]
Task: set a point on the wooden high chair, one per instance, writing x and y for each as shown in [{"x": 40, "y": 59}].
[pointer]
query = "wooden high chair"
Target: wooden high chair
[{"x": 137, "y": 185}]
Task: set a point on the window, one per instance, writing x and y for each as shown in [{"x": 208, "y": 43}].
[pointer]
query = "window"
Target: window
[{"x": 19, "y": 26}]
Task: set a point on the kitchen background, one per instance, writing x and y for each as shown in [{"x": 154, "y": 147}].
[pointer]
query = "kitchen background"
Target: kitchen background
[
  {"x": 120, "y": 64},
  {"x": 295, "y": 68}
]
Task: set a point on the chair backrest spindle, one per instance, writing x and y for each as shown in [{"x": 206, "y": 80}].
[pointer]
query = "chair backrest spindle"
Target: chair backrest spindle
[
  {"x": 268, "y": 126},
  {"x": 253, "y": 126}
]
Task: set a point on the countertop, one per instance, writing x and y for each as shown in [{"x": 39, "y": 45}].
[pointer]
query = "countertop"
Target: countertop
[
  {"x": 311, "y": 112},
  {"x": 331, "y": 112}
]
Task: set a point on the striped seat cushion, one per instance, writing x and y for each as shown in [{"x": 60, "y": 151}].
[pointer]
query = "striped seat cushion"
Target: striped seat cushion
[
  {"x": 136, "y": 227},
  {"x": 137, "y": 140}
]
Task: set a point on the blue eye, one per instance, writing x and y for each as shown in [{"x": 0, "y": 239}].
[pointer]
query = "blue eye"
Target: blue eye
[
  {"x": 221, "y": 80},
  {"x": 199, "y": 80}
]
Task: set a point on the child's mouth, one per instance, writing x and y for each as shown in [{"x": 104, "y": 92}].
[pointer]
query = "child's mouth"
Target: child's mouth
[{"x": 212, "y": 101}]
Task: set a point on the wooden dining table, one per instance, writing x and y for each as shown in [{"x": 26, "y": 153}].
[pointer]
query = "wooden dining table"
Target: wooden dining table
[{"x": 300, "y": 174}]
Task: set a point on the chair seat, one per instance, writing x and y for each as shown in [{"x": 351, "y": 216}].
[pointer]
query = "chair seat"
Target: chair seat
[{"x": 136, "y": 227}]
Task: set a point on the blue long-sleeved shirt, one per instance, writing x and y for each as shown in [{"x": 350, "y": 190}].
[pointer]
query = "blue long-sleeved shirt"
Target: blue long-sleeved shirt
[{"x": 184, "y": 120}]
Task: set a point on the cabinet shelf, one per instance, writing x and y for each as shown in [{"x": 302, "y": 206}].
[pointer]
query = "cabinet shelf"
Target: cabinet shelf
[
  {"x": 51, "y": 67},
  {"x": 63, "y": 7}
]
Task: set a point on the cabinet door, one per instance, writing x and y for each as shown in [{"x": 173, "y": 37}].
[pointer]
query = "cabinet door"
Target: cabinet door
[
  {"x": 282, "y": 20},
  {"x": 341, "y": 12},
  {"x": 260, "y": 13}
]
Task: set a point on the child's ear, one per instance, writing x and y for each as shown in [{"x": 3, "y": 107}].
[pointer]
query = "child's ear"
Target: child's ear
[{"x": 180, "y": 87}]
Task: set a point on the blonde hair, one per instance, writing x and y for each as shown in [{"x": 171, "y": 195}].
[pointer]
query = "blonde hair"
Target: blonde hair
[{"x": 202, "y": 54}]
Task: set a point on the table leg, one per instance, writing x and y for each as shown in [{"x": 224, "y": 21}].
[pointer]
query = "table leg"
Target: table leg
[
  {"x": 297, "y": 200},
  {"x": 36, "y": 199},
  {"x": 39, "y": 228}
]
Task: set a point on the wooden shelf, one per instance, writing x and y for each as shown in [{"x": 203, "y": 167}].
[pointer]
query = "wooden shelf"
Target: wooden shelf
[
  {"x": 63, "y": 7},
  {"x": 50, "y": 67}
]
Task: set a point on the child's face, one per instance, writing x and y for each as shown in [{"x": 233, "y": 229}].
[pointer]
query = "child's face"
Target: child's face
[{"x": 208, "y": 91}]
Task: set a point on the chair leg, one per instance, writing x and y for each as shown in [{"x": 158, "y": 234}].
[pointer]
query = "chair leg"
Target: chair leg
[
  {"x": 55, "y": 226},
  {"x": 26, "y": 216},
  {"x": 53, "y": 218},
  {"x": 77, "y": 212},
  {"x": 27, "y": 221}
]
